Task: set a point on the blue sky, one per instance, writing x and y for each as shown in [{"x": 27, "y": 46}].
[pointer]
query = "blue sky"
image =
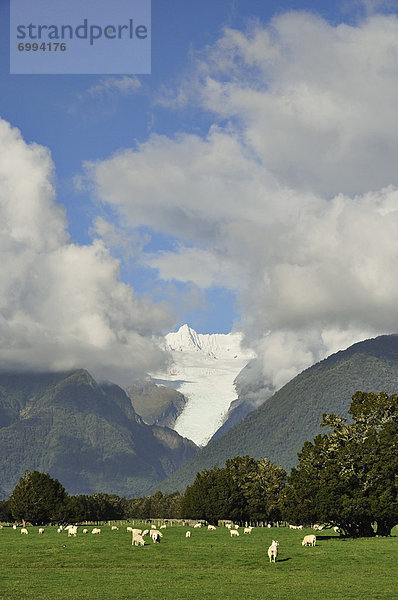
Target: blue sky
[
  {"x": 231, "y": 84},
  {"x": 57, "y": 112}
]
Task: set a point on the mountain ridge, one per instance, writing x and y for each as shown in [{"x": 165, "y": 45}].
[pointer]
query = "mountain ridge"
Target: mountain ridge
[
  {"x": 280, "y": 426},
  {"x": 85, "y": 434}
]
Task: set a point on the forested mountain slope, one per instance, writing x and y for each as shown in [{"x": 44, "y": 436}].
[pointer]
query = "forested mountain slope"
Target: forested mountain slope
[
  {"x": 280, "y": 426},
  {"x": 84, "y": 434}
]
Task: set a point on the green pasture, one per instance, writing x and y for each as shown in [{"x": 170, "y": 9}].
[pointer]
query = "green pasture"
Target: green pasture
[{"x": 210, "y": 565}]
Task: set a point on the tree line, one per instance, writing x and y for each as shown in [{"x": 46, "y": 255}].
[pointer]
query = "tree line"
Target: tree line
[{"x": 347, "y": 477}]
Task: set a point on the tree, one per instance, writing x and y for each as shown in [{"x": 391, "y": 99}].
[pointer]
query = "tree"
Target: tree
[
  {"x": 349, "y": 476},
  {"x": 38, "y": 498},
  {"x": 243, "y": 490}
]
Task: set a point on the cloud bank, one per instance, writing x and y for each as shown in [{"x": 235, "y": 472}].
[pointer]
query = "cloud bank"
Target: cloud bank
[
  {"x": 291, "y": 198},
  {"x": 62, "y": 305}
]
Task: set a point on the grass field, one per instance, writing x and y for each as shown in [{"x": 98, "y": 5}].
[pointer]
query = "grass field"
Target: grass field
[{"x": 210, "y": 565}]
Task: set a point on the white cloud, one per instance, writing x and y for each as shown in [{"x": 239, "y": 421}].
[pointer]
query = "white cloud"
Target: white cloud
[
  {"x": 62, "y": 305},
  {"x": 291, "y": 199},
  {"x": 123, "y": 85}
]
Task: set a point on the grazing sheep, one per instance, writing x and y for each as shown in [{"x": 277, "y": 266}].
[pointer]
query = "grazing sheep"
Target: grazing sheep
[
  {"x": 309, "y": 540},
  {"x": 188, "y": 534},
  {"x": 273, "y": 551},
  {"x": 234, "y": 532},
  {"x": 72, "y": 530},
  {"x": 247, "y": 530},
  {"x": 162, "y": 527},
  {"x": 96, "y": 530},
  {"x": 41, "y": 530},
  {"x": 59, "y": 529},
  {"x": 211, "y": 527},
  {"x": 138, "y": 540},
  {"x": 197, "y": 526},
  {"x": 236, "y": 526},
  {"x": 156, "y": 535},
  {"x": 85, "y": 530},
  {"x": 228, "y": 525},
  {"x": 153, "y": 526},
  {"x": 14, "y": 526},
  {"x": 114, "y": 528},
  {"x": 24, "y": 530}
]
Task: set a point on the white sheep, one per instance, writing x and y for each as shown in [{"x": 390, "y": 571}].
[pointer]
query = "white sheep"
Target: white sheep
[
  {"x": 197, "y": 526},
  {"x": 41, "y": 530},
  {"x": 72, "y": 530},
  {"x": 138, "y": 540},
  {"x": 145, "y": 532},
  {"x": 273, "y": 551},
  {"x": 14, "y": 526},
  {"x": 234, "y": 532},
  {"x": 85, "y": 531},
  {"x": 96, "y": 530},
  {"x": 236, "y": 526},
  {"x": 211, "y": 527},
  {"x": 309, "y": 540},
  {"x": 228, "y": 525},
  {"x": 162, "y": 527},
  {"x": 156, "y": 535},
  {"x": 24, "y": 530},
  {"x": 59, "y": 529},
  {"x": 188, "y": 534},
  {"x": 114, "y": 528},
  {"x": 247, "y": 530}
]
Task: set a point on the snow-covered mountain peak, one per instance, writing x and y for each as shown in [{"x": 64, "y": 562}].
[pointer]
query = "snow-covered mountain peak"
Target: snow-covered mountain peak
[
  {"x": 217, "y": 345},
  {"x": 204, "y": 367}
]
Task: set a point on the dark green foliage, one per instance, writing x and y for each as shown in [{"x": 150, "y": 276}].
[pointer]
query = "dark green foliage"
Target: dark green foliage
[
  {"x": 349, "y": 477},
  {"x": 244, "y": 490},
  {"x": 279, "y": 428},
  {"x": 5, "y": 511},
  {"x": 38, "y": 498},
  {"x": 158, "y": 506},
  {"x": 87, "y": 435}
]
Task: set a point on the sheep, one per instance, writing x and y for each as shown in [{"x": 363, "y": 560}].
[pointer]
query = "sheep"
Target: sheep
[
  {"x": 41, "y": 530},
  {"x": 96, "y": 530},
  {"x": 85, "y": 531},
  {"x": 156, "y": 535},
  {"x": 162, "y": 527},
  {"x": 236, "y": 526},
  {"x": 197, "y": 526},
  {"x": 72, "y": 530},
  {"x": 145, "y": 532},
  {"x": 247, "y": 530},
  {"x": 188, "y": 534},
  {"x": 309, "y": 540},
  {"x": 114, "y": 528},
  {"x": 234, "y": 532},
  {"x": 228, "y": 525},
  {"x": 14, "y": 526},
  {"x": 153, "y": 526},
  {"x": 211, "y": 527},
  {"x": 24, "y": 530},
  {"x": 273, "y": 551},
  {"x": 138, "y": 540},
  {"x": 59, "y": 529}
]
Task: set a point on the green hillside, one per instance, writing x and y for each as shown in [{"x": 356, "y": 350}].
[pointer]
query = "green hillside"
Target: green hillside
[
  {"x": 86, "y": 435},
  {"x": 280, "y": 426}
]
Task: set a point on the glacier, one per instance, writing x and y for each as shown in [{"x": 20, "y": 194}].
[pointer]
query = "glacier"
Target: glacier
[{"x": 203, "y": 368}]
